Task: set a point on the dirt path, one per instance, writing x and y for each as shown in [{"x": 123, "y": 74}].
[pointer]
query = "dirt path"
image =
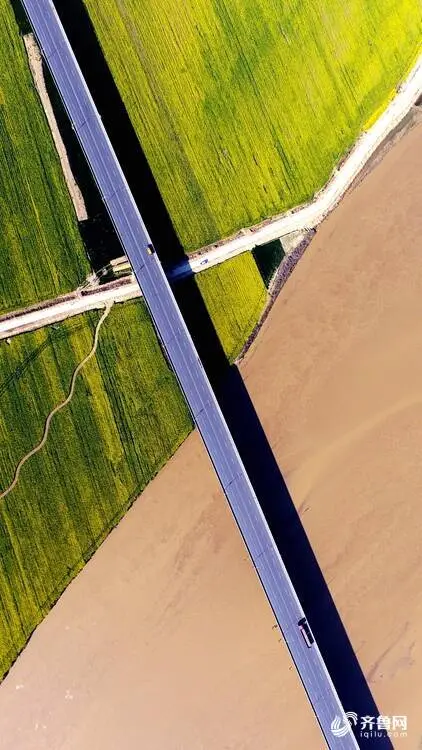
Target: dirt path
[
  {"x": 164, "y": 640},
  {"x": 76, "y": 303},
  {"x": 36, "y": 66},
  {"x": 313, "y": 213},
  {"x": 336, "y": 377},
  {"x": 374, "y": 144},
  {"x": 57, "y": 408}
]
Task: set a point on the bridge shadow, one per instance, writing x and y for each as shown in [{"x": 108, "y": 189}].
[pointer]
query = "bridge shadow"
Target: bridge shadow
[
  {"x": 98, "y": 235},
  {"x": 296, "y": 551},
  {"x": 120, "y": 130},
  {"x": 244, "y": 423},
  {"x": 97, "y": 232},
  {"x": 281, "y": 513}
]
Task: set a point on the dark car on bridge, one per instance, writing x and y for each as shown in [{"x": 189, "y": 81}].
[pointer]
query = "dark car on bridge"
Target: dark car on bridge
[{"x": 306, "y": 632}]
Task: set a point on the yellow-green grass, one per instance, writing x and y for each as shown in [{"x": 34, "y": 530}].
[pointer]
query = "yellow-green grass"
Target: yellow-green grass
[
  {"x": 243, "y": 107},
  {"x": 235, "y": 295},
  {"x": 41, "y": 251},
  {"x": 126, "y": 418}
]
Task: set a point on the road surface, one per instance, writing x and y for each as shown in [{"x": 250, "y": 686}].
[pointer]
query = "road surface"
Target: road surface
[
  {"x": 310, "y": 215},
  {"x": 298, "y": 220},
  {"x": 181, "y": 352}
]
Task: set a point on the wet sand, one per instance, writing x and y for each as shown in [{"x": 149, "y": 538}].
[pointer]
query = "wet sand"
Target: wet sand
[{"x": 165, "y": 641}]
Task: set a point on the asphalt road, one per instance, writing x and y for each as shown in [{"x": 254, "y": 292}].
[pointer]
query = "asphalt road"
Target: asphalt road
[{"x": 178, "y": 344}]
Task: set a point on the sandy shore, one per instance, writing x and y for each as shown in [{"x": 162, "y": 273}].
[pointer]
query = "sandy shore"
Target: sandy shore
[{"x": 165, "y": 641}]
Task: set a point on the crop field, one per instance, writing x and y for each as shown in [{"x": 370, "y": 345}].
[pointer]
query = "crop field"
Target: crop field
[
  {"x": 243, "y": 107},
  {"x": 41, "y": 251},
  {"x": 234, "y": 294},
  {"x": 126, "y": 419}
]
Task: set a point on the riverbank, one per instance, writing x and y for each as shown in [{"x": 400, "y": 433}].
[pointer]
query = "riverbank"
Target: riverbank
[{"x": 165, "y": 638}]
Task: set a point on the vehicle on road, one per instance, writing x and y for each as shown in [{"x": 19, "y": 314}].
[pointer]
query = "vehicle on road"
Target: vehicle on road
[
  {"x": 306, "y": 632},
  {"x": 184, "y": 360}
]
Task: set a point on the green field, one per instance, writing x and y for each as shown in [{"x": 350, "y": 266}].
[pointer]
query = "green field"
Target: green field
[
  {"x": 244, "y": 106},
  {"x": 126, "y": 419},
  {"x": 41, "y": 251},
  {"x": 235, "y": 296}
]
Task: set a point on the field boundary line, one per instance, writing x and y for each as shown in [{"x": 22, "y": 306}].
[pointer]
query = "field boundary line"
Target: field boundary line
[
  {"x": 37, "y": 72},
  {"x": 299, "y": 219},
  {"x": 309, "y": 215},
  {"x": 59, "y": 407}
]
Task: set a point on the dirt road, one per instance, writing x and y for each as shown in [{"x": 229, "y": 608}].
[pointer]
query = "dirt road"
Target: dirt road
[
  {"x": 298, "y": 220},
  {"x": 57, "y": 408},
  {"x": 164, "y": 641}
]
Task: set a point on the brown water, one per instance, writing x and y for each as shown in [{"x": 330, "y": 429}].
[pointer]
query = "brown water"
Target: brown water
[{"x": 165, "y": 640}]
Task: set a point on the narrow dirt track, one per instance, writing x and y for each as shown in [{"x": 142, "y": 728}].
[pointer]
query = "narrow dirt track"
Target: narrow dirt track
[
  {"x": 57, "y": 408},
  {"x": 164, "y": 641}
]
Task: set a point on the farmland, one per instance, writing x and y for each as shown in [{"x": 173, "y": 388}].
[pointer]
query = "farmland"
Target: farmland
[
  {"x": 41, "y": 251},
  {"x": 243, "y": 107},
  {"x": 127, "y": 417},
  {"x": 125, "y": 420},
  {"x": 234, "y": 295}
]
